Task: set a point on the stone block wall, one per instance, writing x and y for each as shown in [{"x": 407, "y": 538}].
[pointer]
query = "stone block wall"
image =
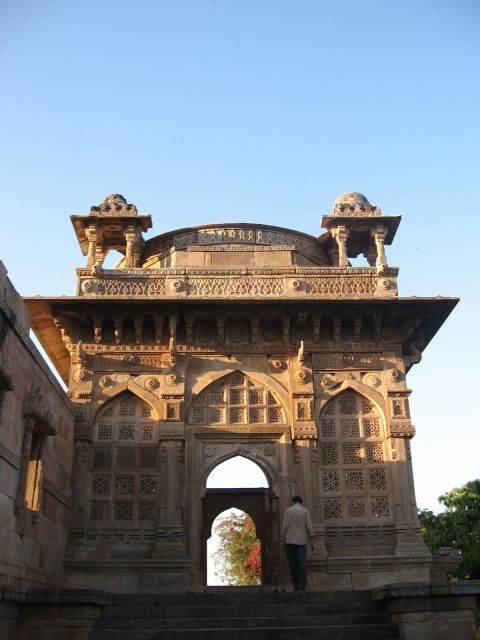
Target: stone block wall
[{"x": 36, "y": 441}]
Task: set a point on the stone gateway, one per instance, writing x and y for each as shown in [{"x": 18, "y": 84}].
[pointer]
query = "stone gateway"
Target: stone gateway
[{"x": 207, "y": 343}]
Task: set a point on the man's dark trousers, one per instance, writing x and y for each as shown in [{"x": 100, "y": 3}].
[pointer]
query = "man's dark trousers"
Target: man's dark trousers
[{"x": 297, "y": 563}]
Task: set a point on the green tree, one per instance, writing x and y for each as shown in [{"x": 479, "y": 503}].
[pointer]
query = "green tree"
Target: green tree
[
  {"x": 457, "y": 527},
  {"x": 238, "y": 554}
]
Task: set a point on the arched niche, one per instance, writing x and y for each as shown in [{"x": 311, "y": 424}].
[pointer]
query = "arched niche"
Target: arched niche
[
  {"x": 362, "y": 389},
  {"x": 124, "y": 480},
  {"x": 355, "y": 480},
  {"x": 111, "y": 393},
  {"x": 236, "y": 398}
]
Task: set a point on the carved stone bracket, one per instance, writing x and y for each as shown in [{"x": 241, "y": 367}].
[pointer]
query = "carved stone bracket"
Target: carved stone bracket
[
  {"x": 80, "y": 361},
  {"x": 220, "y": 328}
]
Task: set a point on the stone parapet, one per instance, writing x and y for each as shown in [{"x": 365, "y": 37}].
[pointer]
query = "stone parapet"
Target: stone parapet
[
  {"x": 432, "y": 611},
  {"x": 278, "y": 284}
]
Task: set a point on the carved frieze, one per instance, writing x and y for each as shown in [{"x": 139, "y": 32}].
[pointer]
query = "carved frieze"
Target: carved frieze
[
  {"x": 235, "y": 286},
  {"x": 340, "y": 286},
  {"x": 402, "y": 429},
  {"x": 248, "y": 235},
  {"x": 346, "y": 360},
  {"x": 304, "y": 431},
  {"x": 327, "y": 282},
  {"x": 230, "y": 432},
  {"x": 115, "y": 362},
  {"x": 123, "y": 287},
  {"x": 172, "y": 431}
]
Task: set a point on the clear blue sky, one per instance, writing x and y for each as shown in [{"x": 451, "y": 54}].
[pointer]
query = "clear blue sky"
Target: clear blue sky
[{"x": 264, "y": 111}]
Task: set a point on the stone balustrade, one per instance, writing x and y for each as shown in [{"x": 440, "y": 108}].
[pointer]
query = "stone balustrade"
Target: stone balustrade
[{"x": 279, "y": 284}]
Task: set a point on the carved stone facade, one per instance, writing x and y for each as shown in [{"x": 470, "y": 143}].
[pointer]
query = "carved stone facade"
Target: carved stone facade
[{"x": 225, "y": 340}]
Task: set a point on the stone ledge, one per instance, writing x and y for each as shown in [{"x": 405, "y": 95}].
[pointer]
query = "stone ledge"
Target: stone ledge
[
  {"x": 376, "y": 563},
  {"x": 118, "y": 564},
  {"x": 416, "y": 589},
  {"x": 56, "y": 596}
]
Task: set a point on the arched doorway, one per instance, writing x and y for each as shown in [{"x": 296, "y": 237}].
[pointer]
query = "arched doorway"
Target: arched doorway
[
  {"x": 257, "y": 501},
  {"x": 237, "y": 415}
]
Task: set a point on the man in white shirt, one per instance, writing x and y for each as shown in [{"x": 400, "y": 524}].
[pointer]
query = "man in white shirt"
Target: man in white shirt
[{"x": 296, "y": 531}]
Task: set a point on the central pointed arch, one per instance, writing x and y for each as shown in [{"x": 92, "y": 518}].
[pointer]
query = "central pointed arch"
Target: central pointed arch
[{"x": 236, "y": 472}]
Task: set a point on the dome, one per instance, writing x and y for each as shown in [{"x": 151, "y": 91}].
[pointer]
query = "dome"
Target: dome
[
  {"x": 353, "y": 203},
  {"x": 114, "y": 204},
  {"x": 352, "y": 198},
  {"x": 115, "y": 199}
]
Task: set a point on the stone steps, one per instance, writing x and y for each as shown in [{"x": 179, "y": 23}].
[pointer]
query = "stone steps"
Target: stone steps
[
  {"x": 241, "y": 614},
  {"x": 378, "y": 632},
  {"x": 241, "y": 610},
  {"x": 240, "y": 622}
]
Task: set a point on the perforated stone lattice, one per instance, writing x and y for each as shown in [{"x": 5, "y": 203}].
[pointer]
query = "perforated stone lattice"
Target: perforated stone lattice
[
  {"x": 353, "y": 457},
  {"x": 125, "y": 421},
  {"x": 236, "y": 400},
  {"x": 126, "y": 432},
  {"x": 101, "y": 485},
  {"x": 350, "y": 427}
]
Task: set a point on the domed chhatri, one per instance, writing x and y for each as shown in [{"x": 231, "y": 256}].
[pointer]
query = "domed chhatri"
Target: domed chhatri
[
  {"x": 115, "y": 198},
  {"x": 352, "y": 203},
  {"x": 114, "y": 205},
  {"x": 352, "y": 198}
]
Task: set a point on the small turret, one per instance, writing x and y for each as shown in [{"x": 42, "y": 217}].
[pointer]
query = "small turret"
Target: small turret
[
  {"x": 357, "y": 227},
  {"x": 113, "y": 224}
]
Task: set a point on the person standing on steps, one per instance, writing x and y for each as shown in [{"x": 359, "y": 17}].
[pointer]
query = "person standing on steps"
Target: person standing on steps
[{"x": 296, "y": 531}]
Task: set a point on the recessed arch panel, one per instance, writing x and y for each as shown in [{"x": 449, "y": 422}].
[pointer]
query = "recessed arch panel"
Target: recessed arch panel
[
  {"x": 129, "y": 385},
  {"x": 354, "y": 473},
  {"x": 237, "y": 399}
]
